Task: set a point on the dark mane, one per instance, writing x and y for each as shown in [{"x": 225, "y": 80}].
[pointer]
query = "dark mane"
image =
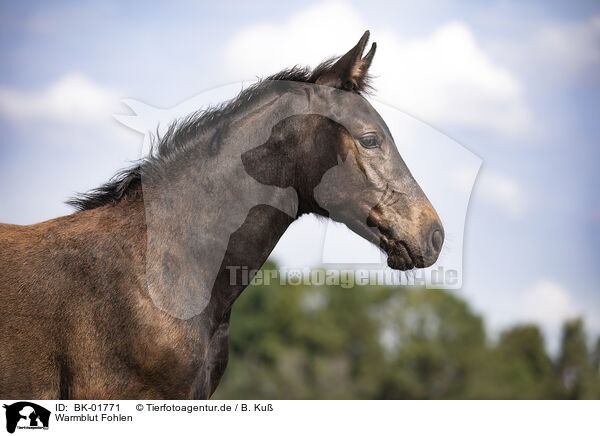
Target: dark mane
[{"x": 182, "y": 133}]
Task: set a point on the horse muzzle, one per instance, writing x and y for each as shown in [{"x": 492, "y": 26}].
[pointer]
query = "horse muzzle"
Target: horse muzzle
[{"x": 409, "y": 244}]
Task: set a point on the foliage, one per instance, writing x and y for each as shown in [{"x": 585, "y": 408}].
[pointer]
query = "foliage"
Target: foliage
[{"x": 372, "y": 342}]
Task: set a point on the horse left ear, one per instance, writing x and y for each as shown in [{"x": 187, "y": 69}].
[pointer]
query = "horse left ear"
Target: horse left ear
[{"x": 350, "y": 71}]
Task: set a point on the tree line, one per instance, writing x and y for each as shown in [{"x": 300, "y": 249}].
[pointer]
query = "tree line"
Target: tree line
[{"x": 380, "y": 342}]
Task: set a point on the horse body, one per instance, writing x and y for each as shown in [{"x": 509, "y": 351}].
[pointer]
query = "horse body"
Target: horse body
[
  {"x": 75, "y": 309},
  {"x": 131, "y": 296}
]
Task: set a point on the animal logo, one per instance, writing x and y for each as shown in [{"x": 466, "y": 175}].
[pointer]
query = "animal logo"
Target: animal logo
[{"x": 26, "y": 415}]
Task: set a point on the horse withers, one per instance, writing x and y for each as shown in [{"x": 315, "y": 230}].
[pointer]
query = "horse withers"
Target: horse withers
[{"x": 130, "y": 297}]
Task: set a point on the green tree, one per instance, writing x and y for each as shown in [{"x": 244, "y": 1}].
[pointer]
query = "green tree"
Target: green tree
[
  {"x": 574, "y": 368},
  {"x": 366, "y": 342},
  {"x": 435, "y": 343},
  {"x": 518, "y": 367},
  {"x": 596, "y": 357}
]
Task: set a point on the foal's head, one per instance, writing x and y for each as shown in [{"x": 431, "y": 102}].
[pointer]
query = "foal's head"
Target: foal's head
[{"x": 340, "y": 157}]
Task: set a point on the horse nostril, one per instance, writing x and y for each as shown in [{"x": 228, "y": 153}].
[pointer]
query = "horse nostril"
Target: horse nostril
[{"x": 437, "y": 240}]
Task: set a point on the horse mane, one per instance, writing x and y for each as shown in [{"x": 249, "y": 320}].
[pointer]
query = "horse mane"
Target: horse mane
[{"x": 181, "y": 134}]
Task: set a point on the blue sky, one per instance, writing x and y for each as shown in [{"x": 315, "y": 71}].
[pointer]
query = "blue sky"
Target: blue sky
[{"x": 516, "y": 83}]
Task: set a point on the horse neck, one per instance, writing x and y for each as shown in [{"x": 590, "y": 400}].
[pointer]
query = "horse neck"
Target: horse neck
[
  {"x": 206, "y": 217},
  {"x": 248, "y": 249}
]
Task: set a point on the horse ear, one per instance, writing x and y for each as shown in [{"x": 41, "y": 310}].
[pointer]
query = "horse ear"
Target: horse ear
[{"x": 350, "y": 71}]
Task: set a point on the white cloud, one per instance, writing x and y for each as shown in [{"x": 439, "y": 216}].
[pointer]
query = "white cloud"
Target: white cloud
[
  {"x": 548, "y": 303},
  {"x": 496, "y": 189},
  {"x": 576, "y": 43},
  {"x": 72, "y": 99},
  {"x": 555, "y": 51},
  {"x": 304, "y": 39},
  {"x": 446, "y": 78},
  {"x": 442, "y": 78}
]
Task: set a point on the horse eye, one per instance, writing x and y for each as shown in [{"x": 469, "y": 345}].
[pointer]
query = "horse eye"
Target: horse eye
[{"x": 369, "y": 141}]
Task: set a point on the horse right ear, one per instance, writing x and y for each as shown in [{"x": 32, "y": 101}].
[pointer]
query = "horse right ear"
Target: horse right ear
[{"x": 350, "y": 72}]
